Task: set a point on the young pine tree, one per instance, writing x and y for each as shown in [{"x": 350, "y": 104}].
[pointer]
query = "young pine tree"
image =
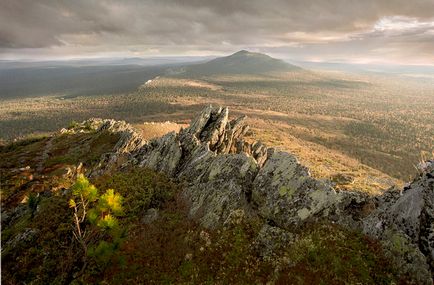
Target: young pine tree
[{"x": 94, "y": 216}]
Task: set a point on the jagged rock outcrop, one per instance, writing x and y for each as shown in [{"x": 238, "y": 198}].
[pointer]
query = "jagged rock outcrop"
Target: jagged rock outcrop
[
  {"x": 129, "y": 141},
  {"x": 224, "y": 174},
  {"x": 206, "y": 156},
  {"x": 286, "y": 194}
]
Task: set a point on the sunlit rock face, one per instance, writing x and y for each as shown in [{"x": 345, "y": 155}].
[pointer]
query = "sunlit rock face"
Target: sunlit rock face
[{"x": 223, "y": 175}]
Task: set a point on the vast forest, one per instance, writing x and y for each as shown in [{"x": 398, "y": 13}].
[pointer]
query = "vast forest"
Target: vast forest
[{"x": 383, "y": 121}]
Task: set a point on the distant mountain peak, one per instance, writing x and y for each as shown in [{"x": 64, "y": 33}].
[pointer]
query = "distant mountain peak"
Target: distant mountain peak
[
  {"x": 243, "y": 51},
  {"x": 247, "y": 53},
  {"x": 242, "y": 62}
]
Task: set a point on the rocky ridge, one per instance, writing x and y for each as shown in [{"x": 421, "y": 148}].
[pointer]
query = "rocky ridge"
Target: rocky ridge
[{"x": 225, "y": 175}]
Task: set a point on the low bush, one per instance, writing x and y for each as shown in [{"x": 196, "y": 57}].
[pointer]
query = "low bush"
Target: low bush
[{"x": 142, "y": 188}]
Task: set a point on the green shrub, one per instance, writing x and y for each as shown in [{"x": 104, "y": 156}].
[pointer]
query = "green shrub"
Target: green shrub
[
  {"x": 329, "y": 254},
  {"x": 142, "y": 188}
]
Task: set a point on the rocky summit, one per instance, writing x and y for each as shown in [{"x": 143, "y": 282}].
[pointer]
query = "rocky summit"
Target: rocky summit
[
  {"x": 225, "y": 180},
  {"x": 225, "y": 175}
]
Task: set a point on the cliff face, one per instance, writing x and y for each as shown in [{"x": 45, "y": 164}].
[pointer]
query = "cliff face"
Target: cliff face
[{"x": 225, "y": 175}]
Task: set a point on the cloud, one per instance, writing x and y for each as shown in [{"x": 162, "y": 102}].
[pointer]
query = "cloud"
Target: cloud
[{"x": 91, "y": 27}]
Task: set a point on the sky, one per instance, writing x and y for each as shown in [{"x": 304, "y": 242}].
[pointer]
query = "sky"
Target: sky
[{"x": 350, "y": 31}]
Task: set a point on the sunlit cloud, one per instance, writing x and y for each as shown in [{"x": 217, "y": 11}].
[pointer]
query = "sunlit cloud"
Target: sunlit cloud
[
  {"x": 400, "y": 23},
  {"x": 397, "y": 31}
]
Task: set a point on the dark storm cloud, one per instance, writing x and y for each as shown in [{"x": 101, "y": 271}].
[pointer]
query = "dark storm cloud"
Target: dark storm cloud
[{"x": 168, "y": 27}]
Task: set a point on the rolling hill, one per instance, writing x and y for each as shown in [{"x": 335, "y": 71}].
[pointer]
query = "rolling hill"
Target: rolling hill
[{"x": 241, "y": 62}]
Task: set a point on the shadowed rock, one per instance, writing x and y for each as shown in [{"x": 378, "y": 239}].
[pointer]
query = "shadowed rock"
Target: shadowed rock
[{"x": 404, "y": 220}]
